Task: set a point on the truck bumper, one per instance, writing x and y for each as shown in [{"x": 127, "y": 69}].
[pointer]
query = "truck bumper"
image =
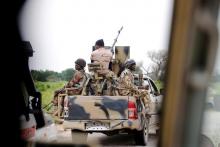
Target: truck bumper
[{"x": 114, "y": 125}]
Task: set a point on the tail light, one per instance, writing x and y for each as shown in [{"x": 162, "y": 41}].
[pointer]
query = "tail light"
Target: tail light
[{"x": 132, "y": 110}]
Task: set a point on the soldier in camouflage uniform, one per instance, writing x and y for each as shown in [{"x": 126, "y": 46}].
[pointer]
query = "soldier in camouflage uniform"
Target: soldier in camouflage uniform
[
  {"x": 127, "y": 86},
  {"x": 78, "y": 79},
  {"x": 75, "y": 85},
  {"x": 103, "y": 56}
]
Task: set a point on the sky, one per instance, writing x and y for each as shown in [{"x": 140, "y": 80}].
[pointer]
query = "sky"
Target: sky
[{"x": 60, "y": 31}]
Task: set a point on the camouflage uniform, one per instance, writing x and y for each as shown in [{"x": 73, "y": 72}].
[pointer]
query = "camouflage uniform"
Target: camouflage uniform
[
  {"x": 127, "y": 87},
  {"x": 103, "y": 56},
  {"x": 103, "y": 85},
  {"x": 77, "y": 82}
]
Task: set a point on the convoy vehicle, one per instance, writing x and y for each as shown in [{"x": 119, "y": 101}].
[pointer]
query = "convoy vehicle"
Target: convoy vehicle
[{"x": 111, "y": 114}]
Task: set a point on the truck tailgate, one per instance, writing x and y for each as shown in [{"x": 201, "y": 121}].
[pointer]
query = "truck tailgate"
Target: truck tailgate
[{"x": 97, "y": 107}]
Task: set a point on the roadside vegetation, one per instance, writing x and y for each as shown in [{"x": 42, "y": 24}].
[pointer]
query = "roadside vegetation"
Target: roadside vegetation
[{"x": 47, "y": 90}]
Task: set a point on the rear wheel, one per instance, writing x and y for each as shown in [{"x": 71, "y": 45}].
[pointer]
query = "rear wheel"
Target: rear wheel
[
  {"x": 79, "y": 137},
  {"x": 141, "y": 137}
]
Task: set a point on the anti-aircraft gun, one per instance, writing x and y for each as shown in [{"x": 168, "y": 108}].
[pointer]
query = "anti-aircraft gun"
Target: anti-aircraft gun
[
  {"x": 117, "y": 64},
  {"x": 120, "y": 54}
]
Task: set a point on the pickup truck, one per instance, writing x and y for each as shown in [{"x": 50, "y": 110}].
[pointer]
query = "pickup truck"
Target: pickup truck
[
  {"x": 112, "y": 115},
  {"x": 106, "y": 114}
]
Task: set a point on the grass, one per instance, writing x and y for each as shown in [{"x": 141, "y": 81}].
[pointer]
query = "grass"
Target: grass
[{"x": 47, "y": 90}]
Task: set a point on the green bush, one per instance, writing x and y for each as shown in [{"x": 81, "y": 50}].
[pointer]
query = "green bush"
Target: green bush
[{"x": 48, "y": 86}]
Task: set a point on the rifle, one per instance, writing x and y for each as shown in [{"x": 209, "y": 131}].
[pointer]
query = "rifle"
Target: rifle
[
  {"x": 115, "y": 40},
  {"x": 47, "y": 105}
]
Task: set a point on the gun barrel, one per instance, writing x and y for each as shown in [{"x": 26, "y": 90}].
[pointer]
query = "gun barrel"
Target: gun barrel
[{"x": 115, "y": 40}]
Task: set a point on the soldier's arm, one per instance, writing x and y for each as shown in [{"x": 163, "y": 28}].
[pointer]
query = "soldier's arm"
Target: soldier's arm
[
  {"x": 72, "y": 81},
  {"x": 69, "y": 84},
  {"x": 82, "y": 80},
  {"x": 129, "y": 84},
  {"x": 78, "y": 80},
  {"x": 93, "y": 56}
]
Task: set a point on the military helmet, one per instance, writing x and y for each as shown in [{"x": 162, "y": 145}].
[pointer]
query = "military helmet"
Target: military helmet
[
  {"x": 129, "y": 62},
  {"x": 81, "y": 62}
]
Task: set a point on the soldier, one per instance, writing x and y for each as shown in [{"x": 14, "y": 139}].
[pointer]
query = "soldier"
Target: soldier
[
  {"x": 101, "y": 55},
  {"x": 78, "y": 78},
  {"x": 127, "y": 86},
  {"x": 75, "y": 85}
]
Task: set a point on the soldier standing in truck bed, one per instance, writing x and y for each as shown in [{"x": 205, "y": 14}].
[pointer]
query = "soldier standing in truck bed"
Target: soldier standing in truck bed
[
  {"x": 103, "y": 56},
  {"x": 127, "y": 86}
]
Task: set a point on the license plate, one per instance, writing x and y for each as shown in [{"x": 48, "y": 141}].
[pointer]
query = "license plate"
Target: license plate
[{"x": 97, "y": 126}]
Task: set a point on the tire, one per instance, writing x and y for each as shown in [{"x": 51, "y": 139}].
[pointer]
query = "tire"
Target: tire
[
  {"x": 79, "y": 137},
  {"x": 141, "y": 137}
]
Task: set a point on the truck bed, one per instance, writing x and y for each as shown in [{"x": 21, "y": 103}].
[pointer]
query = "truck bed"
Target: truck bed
[{"x": 97, "y": 108}]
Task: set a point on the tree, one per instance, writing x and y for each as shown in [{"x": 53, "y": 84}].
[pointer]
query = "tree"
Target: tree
[
  {"x": 47, "y": 75},
  {"x": 159, "y": 59},
  {"x": 38, "y": 75},
  {"x": 67, "y": 74},
  {"x": 51, "y": 75}
]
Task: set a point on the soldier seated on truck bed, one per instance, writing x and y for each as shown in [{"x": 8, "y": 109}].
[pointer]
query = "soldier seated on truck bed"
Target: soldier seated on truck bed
[
  {"x": 126, "y": 83},
  {"x": 75, "y": 85},
  {"x": 102, "y": 56}
]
